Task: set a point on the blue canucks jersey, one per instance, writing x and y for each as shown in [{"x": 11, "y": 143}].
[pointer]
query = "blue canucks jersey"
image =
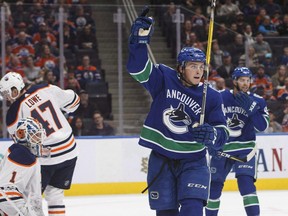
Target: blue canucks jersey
[
  {"x": 175, "y": 108},
  {"x": 242, "y": 129}
]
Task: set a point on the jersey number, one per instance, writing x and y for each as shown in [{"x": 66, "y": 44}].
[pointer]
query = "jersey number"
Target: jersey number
[
  {"x": 47, "y": 106},
  {"x": 12, "y": 180}
]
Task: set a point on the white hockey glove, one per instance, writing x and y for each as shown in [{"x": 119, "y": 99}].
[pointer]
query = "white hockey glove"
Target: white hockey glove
[{"x": 142, "y": 28}]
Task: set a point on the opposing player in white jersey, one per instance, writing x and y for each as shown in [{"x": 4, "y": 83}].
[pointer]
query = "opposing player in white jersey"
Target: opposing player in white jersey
[
  {"x": 46, "y": 103},
  {"x": 20, "y": 181}
]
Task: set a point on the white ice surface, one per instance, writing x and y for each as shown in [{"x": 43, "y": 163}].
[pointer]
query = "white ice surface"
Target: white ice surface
[{"x": 272, "y": 203}]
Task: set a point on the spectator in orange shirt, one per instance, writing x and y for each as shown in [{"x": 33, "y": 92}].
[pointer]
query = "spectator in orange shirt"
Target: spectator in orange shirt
[
  {"x": 15, "y": 65},
  {"x": 47, "y": 59},
  {"x": 283, "y": 93},
  {"x": 261, "y": 81},
  {"x": 86, "y": 72},
  {"x": 43, "y": 32}
]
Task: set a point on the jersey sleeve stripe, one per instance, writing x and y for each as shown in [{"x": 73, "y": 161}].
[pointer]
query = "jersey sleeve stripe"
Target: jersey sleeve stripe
[
  {"x": 63, "y": 147},
  {"x": 23, "y": 165},
  {"x": 75, "y": 103},
  {"x": 76, "y": 98}
]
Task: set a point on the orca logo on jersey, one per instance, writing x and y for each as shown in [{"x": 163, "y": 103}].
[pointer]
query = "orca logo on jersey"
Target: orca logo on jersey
[
  {"x": 177, "y": 119},
  {"x": 154, "y": 195},
  {"x": 235, "y": 125}
]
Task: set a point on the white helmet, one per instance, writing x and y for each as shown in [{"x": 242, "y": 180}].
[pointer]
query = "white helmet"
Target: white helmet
[
  {"x": 30, "y": 133},
  {"x": 8, "y": 81}
]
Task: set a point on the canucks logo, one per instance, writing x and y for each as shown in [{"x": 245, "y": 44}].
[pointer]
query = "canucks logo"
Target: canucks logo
[
  {"x": 176, "y": 119},
  {"x": 235, "y": 125}
]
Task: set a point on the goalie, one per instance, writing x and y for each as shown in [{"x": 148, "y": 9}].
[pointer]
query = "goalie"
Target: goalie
[{"x": 20, "y": 182}]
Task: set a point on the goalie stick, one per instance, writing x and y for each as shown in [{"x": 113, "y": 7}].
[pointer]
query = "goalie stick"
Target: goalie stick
[{"x": 243, "y": 160}]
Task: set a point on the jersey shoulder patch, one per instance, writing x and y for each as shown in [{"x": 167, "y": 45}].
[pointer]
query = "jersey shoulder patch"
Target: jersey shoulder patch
[{"x": 21, "y": 155}]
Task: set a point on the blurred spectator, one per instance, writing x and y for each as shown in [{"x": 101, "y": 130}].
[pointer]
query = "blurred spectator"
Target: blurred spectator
[
  {"x": 86, "y": 72},
  {"x": 71, "y": 82},
  {"x": 19, "y": 14},
  {"x": 250, "y": 60},
  {"x": 199, "y": 23},
  {"x": 271, "y": 7},
  {"x": 251, "y": 9},
  {"x": 269, "y": 64},
  {"x": 283, "y": 59},
  {"x": 99, "y": 127},
  {"x": 216, "y": 55},
  {"x": 15, "y": 65},
  {"x": 37, "y": 15},
  {"x": 260, "y": 17},
  {"x": 220, "y": 84},
  {"x": 69, "y": 38},
  {"x": 23, "y": 46},
  {"x": 283, "y": 93},
  {"x": 86, "y": 108},
  {"x": 283, "y": 27},
  {"x": 276, "y": 19},
  {"x": 225, "y": 71},
  {"x": 186, "y": 30},
  {"x": 46, "y": 59},
  {"x": 223, "y": 36},
  {"x": 9, "y": 54},
  {"x": 261, "y": 47},
  {"x": 81, "y": 19},
  {"x": 9, "y": 32},
  {"x": 228, "y": 10},
  {"x": 86, "y": 39},
  {"x": 237, "y": 48},
  {"x": 240, "y": 23},
  {"x": 78, "y": 127},
  {"x": 285, "y": 119},
  {"x": 31, "y": 71},
  {"x": 49, "y": 77},
  {"x": 193, "y": 41},
  {"x": 248, "y": 34},
  {"x": 261, "y": 82},
  {"x": 44, "y": 33},
  {"x": 39, "y": 47},
  {"x": 274, "y": 126},
  {"x": 168, "y": 27},
  {"x": 267, "y": 28}
]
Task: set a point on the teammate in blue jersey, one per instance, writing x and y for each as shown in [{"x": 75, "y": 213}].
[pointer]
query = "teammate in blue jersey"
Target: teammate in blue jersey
[
  {"x": 178, "y": 174},
  {"x": 246, "y": 114}
]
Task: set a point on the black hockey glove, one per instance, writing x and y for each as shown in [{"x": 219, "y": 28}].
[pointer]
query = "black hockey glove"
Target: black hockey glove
[
  {"x": 247, "y": 103},
  {"x": 142, "y": 28},
  {"x": 205, "y": 134}
]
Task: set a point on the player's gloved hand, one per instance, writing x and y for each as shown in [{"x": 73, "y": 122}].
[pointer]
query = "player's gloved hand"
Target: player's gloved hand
[
  {"x": 142, "y": 28},
  {"x": 205, "y": 134},
  {"x": 247, "y": 103}
]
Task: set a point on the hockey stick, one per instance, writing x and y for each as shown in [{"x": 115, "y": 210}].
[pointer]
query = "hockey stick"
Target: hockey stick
[
  {"x": 11, "y": 202},
  {"x": 244, "y": 159},
  {"x": 208, "y": 55}
]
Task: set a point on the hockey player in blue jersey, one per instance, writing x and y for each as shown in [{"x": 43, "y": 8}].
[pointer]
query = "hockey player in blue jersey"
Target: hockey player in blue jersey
[
  {"x": 178, "y": 174},
  {"x": 246, "y": 114}
]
